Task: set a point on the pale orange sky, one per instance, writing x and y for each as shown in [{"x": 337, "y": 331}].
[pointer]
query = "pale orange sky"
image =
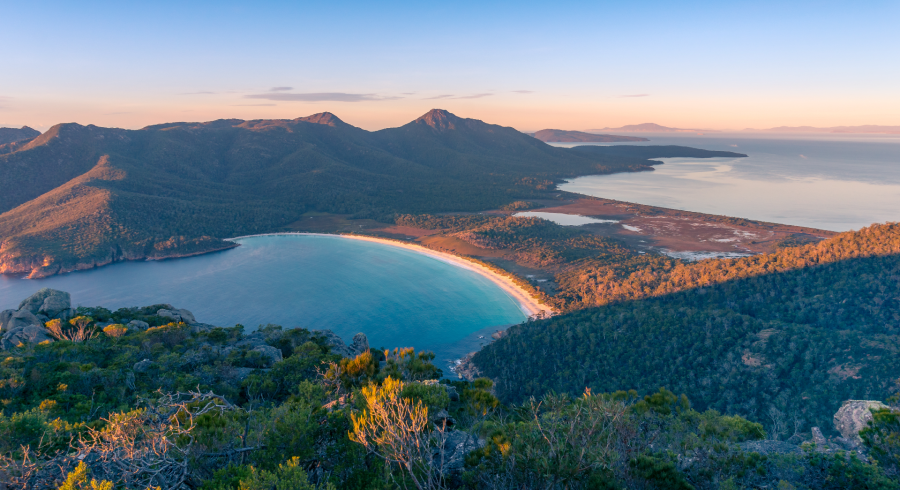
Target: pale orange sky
[
  {"x": 575, "y": 65},
  {"x": 526, "y": 112}
]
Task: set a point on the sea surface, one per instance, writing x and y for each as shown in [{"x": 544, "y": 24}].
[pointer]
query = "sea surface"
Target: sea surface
[
  {"x": 397, "y": 297},
  {"x": 832, "y": 182}
]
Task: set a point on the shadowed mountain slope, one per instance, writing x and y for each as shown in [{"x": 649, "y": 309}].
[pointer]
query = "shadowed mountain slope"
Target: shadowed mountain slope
[
  {"x": 178, "y": 184},
  {"x": 10, "y": 135}
]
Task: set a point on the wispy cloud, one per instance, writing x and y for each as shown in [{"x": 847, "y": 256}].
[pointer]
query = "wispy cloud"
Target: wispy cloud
[
  {"x": 204, "y": 92},
  {"x": 476, "y": 96},
  {"x": 319, "y": 97},
  {"x": 634, "y": 95},
  {"x": 280, "y": 89},
  {"x": 253, "y": 105},
  {"x": 523, "y": 91},
  {"x": 409, "y": 93},
  {"x": 445, "y": 96}
]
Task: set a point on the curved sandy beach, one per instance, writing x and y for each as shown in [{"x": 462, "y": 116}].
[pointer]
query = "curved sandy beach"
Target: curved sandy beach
[{"x": 528, "y": 304}]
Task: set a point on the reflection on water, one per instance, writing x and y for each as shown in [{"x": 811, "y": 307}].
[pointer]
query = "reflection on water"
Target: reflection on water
[
  {"x": 564, "y": 219},
  {"x": 833, "y": 185},
  {"x": 397, "y": 297}
]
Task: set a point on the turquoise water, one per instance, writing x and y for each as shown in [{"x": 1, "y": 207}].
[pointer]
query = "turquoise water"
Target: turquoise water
[
  {"x": 396, "y": 297},
  {"x": 834, "y": 183}
]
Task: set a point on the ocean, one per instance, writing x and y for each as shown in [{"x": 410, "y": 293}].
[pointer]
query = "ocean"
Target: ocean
[
  {"x": 397, "y": 297},
  {"x": 833, "y": 182}
]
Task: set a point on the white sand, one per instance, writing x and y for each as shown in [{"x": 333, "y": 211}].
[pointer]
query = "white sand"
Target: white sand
[{"x": 528, "y": 304}]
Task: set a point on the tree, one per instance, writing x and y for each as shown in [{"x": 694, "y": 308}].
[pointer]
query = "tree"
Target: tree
[{"x": 397, "y": 430}]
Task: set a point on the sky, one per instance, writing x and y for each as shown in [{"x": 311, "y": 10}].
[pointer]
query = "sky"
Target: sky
[{"x": 530, "y": 65}]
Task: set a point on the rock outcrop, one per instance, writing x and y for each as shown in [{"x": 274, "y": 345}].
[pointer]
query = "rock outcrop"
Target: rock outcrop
[
  {"x": 177, "y": 315},
  {"x": 336, "y": 344},
  {"x": 272, "y": 353},
  {"x": 26, "y": 324},
  {"x": 853, "y": 416}
]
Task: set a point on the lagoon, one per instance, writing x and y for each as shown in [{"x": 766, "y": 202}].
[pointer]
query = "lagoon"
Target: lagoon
[
  {"x": 836, "y": 183},
  {"x": 397, "y": 297}
]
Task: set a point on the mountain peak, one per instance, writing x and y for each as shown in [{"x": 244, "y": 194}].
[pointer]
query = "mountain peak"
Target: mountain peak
[
  {"x": 325, "y": 118},
  {"x": 439, "y": 119}
]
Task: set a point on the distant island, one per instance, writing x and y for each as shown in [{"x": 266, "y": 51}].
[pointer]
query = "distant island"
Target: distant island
[
  {"x": 11, "y": 135},
  {"x": 864, "y": 129},
  {"x": 563, "y": 136},
  {"x": 652, "y": 128}
]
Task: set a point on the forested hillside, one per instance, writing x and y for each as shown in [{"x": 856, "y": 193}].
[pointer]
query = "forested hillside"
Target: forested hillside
[
  {"x": 81, "y": 196},
  {"x": 780, "y": 336}
]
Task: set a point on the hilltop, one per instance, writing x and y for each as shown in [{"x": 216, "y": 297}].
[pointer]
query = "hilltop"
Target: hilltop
[
  {"x": 652, "y": 128},
  {"x": 11, "y": 135},
  {"x": 864, "y": 129},
  {"x": 78, "y": 196},
  {"x": 562, "y": 136}
]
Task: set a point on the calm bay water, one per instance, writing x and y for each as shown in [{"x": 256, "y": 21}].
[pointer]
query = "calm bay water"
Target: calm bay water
[
  {"x": 836, "y": 183},
  {"x": 396, "y": 297}
]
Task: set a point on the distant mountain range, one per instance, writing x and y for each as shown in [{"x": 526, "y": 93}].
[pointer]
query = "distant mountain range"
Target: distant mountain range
[
  {"x": 10, "y": 135},
  {"x": 865, "y": 129},
  {"x": 79, "y": 196},
  {"x": 652, "y": 128},
  {"x": 562, "y": 136}
]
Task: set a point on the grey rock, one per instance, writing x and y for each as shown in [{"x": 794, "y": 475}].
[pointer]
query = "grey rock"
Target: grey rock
[
  {"x": 55, "y": 303},
  {"x": 241, "y": 374},
  {"x": 143, "y": 366},
  {"x": 29, "y": 334},
  {"x": 35, "y": 302},
  {"x": 853, "y": 416},
  {"x": 818, "y": 438},
  {"x": 22, "y": 319},
  {"x": 5, "y": 316},
  {"x": 138, "y": 325},
  {"x": 187, "y": 316},
  {"x": 177, "y": 315},
  {"x": 456, "y": 445},
  {"x": 360, "y": 344},
  {"x": 452, "y": 393},
  {"x": 334, "y": 342},
  {"x": 273, "y": 353},
  {"x": 770, "y": 447}
]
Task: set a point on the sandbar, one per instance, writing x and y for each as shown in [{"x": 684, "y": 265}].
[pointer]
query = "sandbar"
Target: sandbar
[{"x": 529, "y": 304}]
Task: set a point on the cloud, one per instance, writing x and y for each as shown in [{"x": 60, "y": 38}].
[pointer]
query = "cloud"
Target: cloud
[
  {"x": 253, "y": 105},
  {"x": 446, "y": 96},
  {"x": 634, "y": 95},
  {"x": 476, "y": 96},
  {"x": 319, "y": 97},
  {"x": 523, "y": 91},
  {"x": 198, "y": 93},
  {"x": 409, "y": 93},
  {"x": 280, "y": 89}
]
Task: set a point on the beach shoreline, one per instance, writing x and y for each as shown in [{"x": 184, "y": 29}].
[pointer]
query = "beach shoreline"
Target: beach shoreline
[{"x": 526, "y": 302}]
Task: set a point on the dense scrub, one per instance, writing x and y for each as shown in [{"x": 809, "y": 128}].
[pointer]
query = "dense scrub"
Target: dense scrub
[
  {"x": 188, "y": 414},
  {"x": 780, "y": 336}
]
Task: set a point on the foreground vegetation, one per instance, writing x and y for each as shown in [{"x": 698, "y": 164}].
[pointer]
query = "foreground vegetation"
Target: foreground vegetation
[{"x": 192, "y": 406}]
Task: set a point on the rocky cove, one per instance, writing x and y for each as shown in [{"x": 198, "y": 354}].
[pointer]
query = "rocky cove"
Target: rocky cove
[{"x": 41, "y": 266}]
